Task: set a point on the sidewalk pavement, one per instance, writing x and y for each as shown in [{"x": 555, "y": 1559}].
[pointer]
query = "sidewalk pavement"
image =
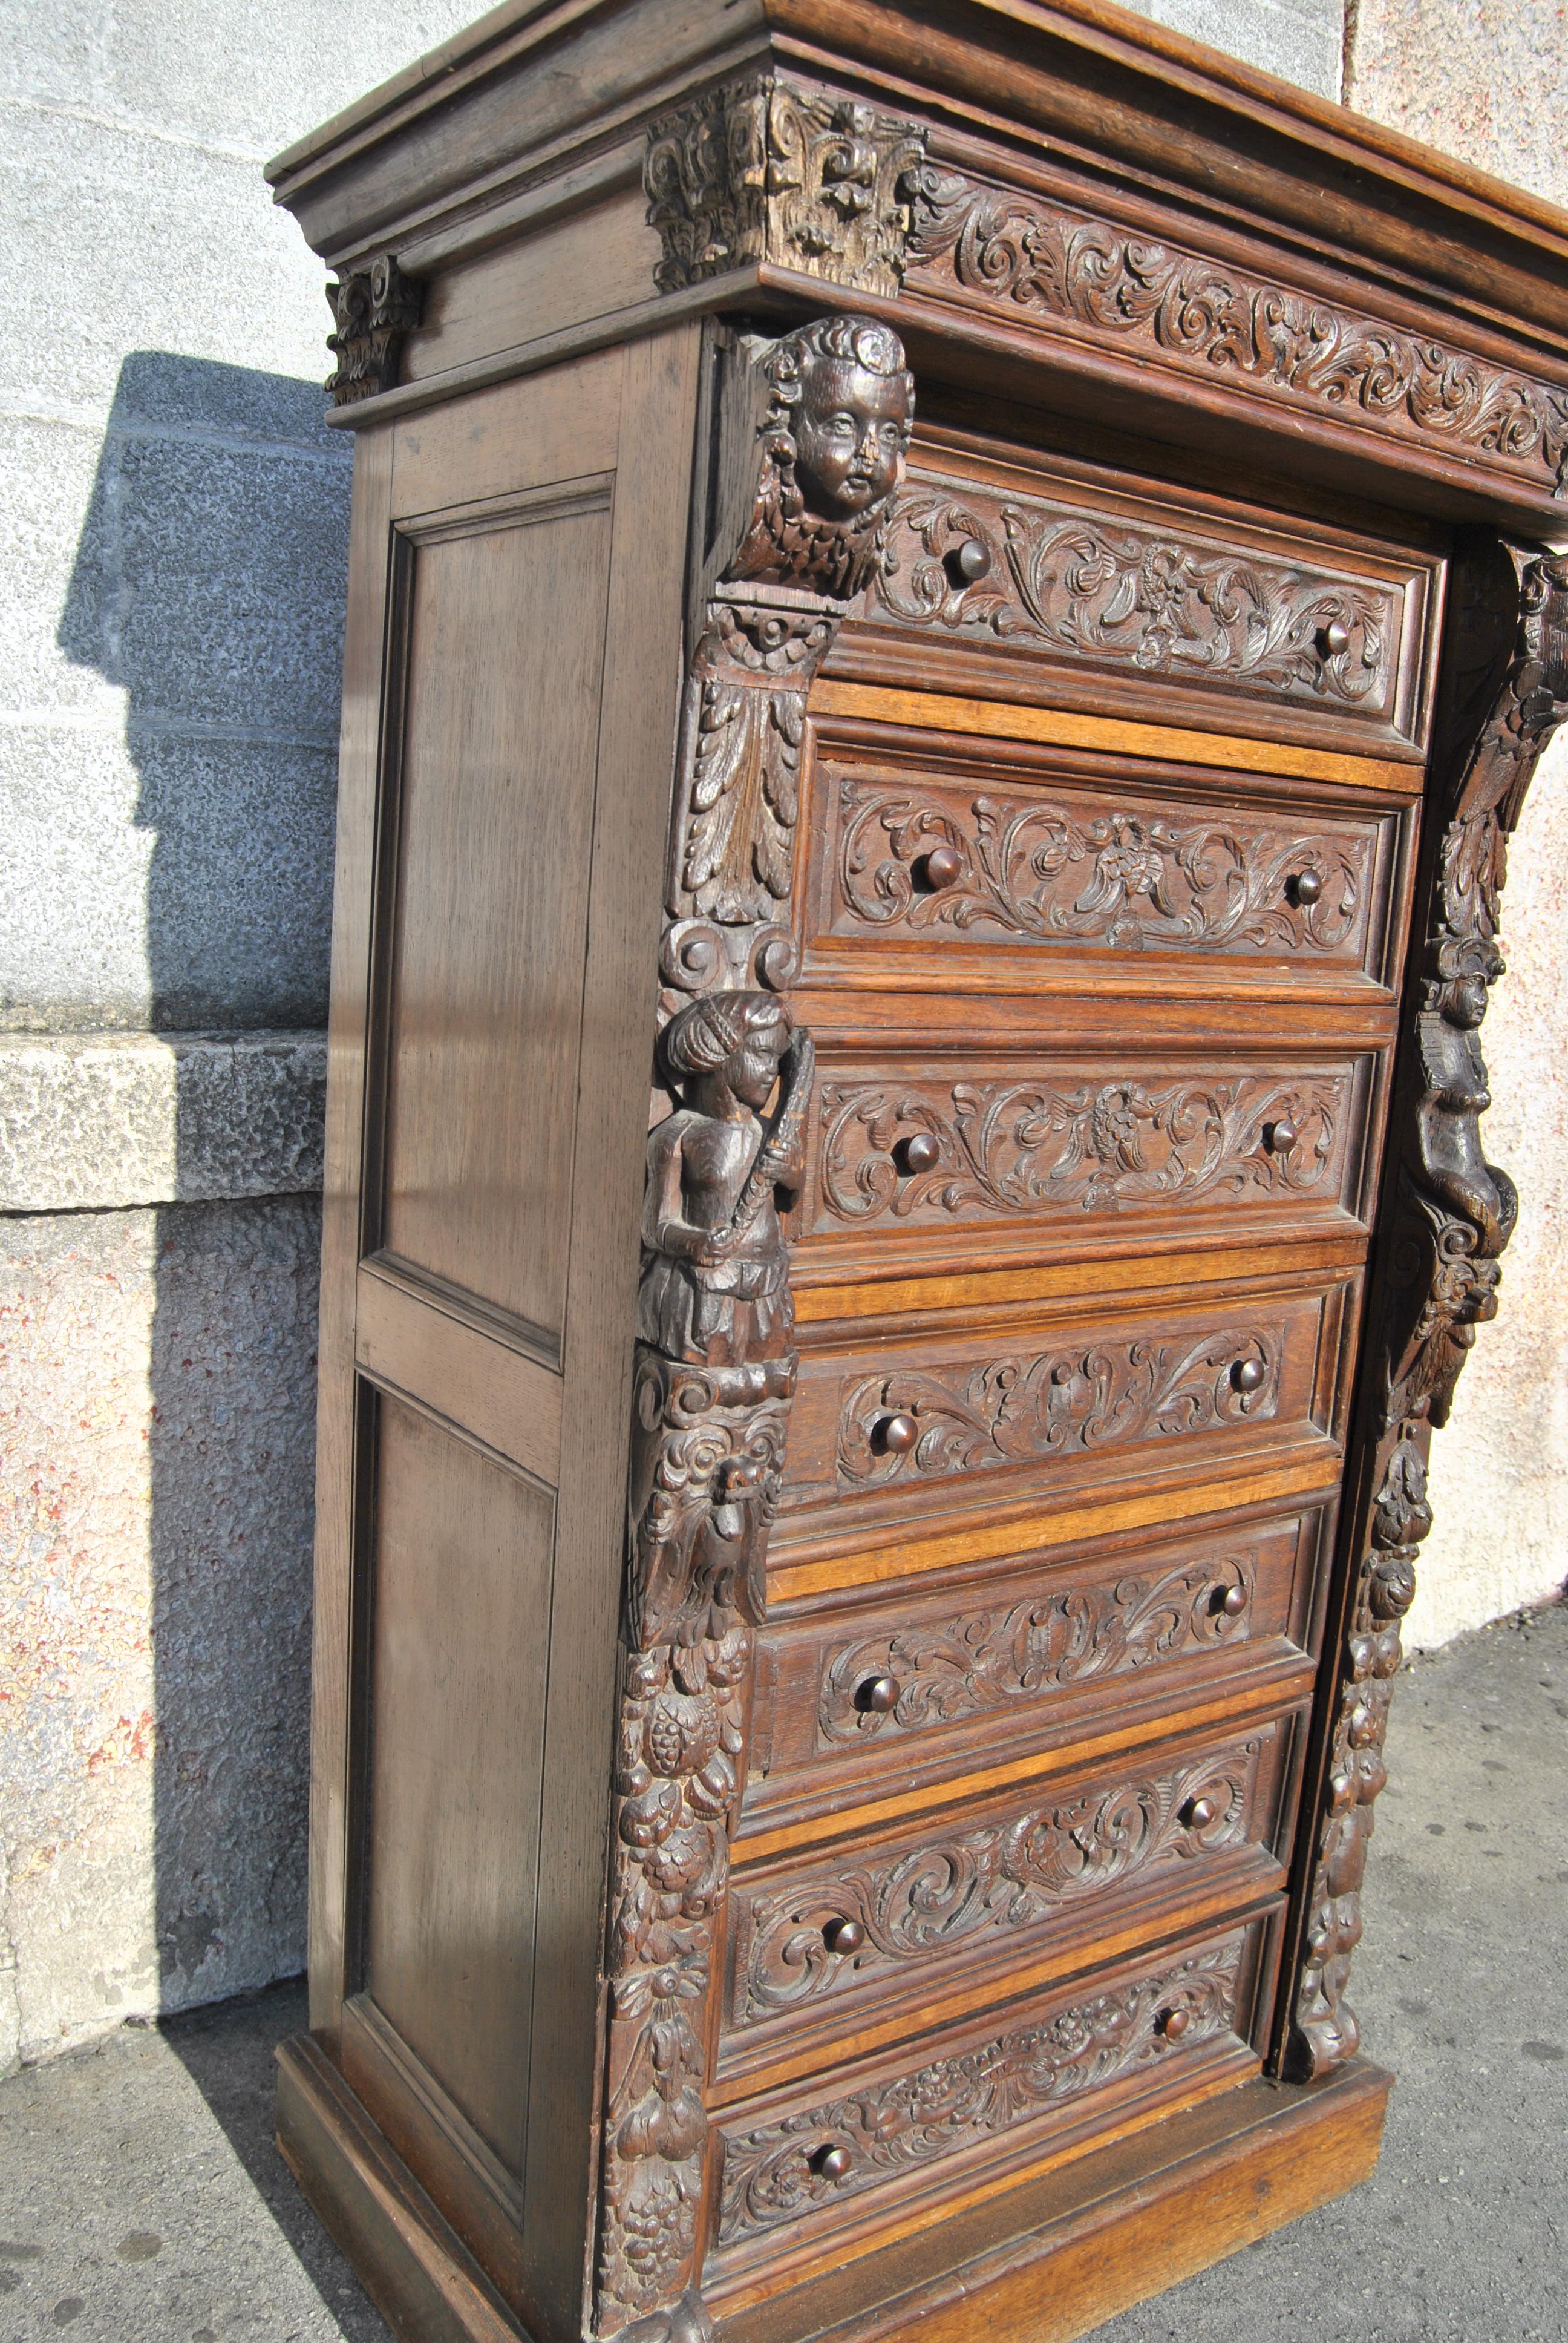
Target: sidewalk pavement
[{"x": 142, "y": 2199}]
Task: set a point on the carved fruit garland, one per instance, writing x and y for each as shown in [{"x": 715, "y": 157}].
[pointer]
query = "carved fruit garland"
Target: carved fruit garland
[
  {"x": 1449, "y": 1216},
  {"x": 715, "y": 1368}
]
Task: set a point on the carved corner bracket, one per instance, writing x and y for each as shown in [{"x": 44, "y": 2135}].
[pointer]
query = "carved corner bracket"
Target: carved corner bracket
[
  {"x": 1449, "y": 1214},
  {"x": 813, "y": 431},
  {"x": 762, "y": 170},
  {"x": 373, "y": 310}
]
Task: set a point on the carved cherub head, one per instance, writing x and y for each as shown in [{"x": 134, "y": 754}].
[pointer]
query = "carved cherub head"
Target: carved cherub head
[{"x": 728, "y": 1042}]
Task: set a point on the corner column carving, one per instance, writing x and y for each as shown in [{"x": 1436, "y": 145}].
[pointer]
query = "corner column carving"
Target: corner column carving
[
  {"x": 1448, "y": 1214},
  {"x": 373, "y": 310},
  {"x": 813, "y": 435}
]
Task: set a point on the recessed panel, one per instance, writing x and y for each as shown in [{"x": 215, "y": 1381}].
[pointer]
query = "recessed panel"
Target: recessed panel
[
  {"x": 460, "y": 1621},
  {"x": 506, "y": 634}
]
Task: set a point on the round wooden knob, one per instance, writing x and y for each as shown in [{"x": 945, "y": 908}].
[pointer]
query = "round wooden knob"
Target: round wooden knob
[
  {"x": 894, "y": 1436},
  {"x": 1173, "y": 2022},
  {"x": 917, "y": 1152},
  {"x": 830, "y": 2162},
  {"x": 1306, "y": 887},
  {"x": 968, "y": 562},
  {"x": 1247, "y": 1375},
  {"x": 1334, "y": 639},
  {"x": 1363, "y": 1729},
  {"x": 1282, "y": 1136},
  {"x": 1198, "y": 1813},
  {"x": 1230, "y": 1600},
  {"x": 943, "y": 866},
  {"x": 843, "y": 1935},
  {"x": 877, "y": 1695}
]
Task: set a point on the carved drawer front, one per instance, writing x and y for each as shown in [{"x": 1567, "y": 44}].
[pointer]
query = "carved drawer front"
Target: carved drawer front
[
  {"x": 957, "y": 1420},
  {"x": 1043, "y": 583},
  {"x": 807, "y": 2175},
  {"x": 889, "y": 1938},
  {"x": 1053, "y": 1147},
  {"x": 941, "y": 868}
]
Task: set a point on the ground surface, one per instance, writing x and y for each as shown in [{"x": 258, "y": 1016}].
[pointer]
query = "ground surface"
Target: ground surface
[{"x": 141, "y": 2200}]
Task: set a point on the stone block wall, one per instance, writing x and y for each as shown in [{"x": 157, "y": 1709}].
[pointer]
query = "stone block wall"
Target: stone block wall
[{"x": 173, "y": 525}]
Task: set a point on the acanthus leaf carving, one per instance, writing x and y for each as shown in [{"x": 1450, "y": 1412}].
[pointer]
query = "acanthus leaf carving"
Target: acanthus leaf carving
[
  {"x": 1451, "y": 1215},
  {"x": 763, "y": 169},
  {"x": 1040, "y": 258},
  {"x": 374, "y": 310}
]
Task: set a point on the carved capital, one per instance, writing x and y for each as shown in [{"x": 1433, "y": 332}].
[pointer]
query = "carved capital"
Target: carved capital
[
  {"x": 762, "y": 170},
  {"x": 372, "y": 311}
]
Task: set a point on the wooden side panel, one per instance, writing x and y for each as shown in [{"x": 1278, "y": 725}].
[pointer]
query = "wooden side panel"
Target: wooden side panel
[{"x": 457, "y": 1673}]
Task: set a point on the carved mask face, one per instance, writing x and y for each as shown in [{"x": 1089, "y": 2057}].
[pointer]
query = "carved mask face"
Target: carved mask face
[
  {"x": 848, "y": 431},
  {"x": 751, "y": 1073}
]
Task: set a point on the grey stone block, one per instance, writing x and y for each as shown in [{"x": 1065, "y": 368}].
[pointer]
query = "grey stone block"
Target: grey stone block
[
  {"x": 100, "y": 1121},
  {"x": 52, "y": 549},
  {"x": 1300, "y": 40},
  {"x": 73, "y": 869}
]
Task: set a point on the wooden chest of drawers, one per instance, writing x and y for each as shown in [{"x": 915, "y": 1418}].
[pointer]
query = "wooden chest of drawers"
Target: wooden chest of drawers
[{"x": 943, "y": 640}]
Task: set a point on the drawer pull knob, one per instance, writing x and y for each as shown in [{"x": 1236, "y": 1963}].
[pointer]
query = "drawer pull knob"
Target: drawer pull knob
[
  {"x": 1306, "y": 887},
  {"x": 1173, "y": 2022},
  {"x": 1282, "y": 1136},
  {"x": 830, "y": 2162},
  {"x": 894, "y": 1436},
  {"x": 968, "y": 562},
  {"x": 1198, "y": 1813},
  {"x": 843, "y": 1935},
  {"x": 1230, "y": 1600},
  {"x": 1248, "y": 1374},
  {"x": 1334, "y": 639},
  {"x": 917, "y": 1152},
  {"x": 877, "y": 1695},
  {"x": 943, "y": 866}
]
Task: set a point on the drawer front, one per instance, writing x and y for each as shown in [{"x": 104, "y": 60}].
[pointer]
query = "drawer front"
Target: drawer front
[
  {"x": 895, "y": 1426},
  {"x": 945, "y": 867},
  {"x": 804, "y": 2177},
  {"x": 966, "y": 1902},
  {"x": 1050, "y": 1144},
  {"x": 1015, "y": 575}
]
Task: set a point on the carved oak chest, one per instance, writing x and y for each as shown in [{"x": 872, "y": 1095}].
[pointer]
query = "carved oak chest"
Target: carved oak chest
[{"x": 949, "y": 616}]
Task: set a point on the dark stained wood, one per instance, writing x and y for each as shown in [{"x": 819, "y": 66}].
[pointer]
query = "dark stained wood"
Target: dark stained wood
[{"x": 928, "y": 621}]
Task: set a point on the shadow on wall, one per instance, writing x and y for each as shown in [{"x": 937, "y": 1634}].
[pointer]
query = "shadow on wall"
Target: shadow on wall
[{"x": 208, "y": 586}]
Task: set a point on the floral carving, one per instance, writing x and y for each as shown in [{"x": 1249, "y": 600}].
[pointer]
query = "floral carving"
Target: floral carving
[
  {"x": 1123, "y": 593},
  {"x": 761, "y": 170},
  {"x": 987, "y": 1659},
  {"x": 1002, "y": 1878},
  {"x": 1021, "y": 1409},
  {"x": 887, "y": 2128},
  {"x": 373, "y": 310},
  {"x": 1031, "y": 1146},
  {"x": 1042, "y": 260},
  {"x": 1128, "y": 879},
  {"x": 1450, "y": 1215}
]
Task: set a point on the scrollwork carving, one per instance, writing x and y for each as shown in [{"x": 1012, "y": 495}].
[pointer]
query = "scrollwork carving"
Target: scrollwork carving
[
  {"x": 1040, "y": 259},
  {"x": 987, "y": 1659},
  {"x": 1021, "y": 1409},
  {"x": 763, "y": 170},
  {"x": 1003, "y": 1878},
  {"x": 373, "y": 310},
  {"x": 887, "y": 2128},
  {"x": 1450, "y": 1215}
]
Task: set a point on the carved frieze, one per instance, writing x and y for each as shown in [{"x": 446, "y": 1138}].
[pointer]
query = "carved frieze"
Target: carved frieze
[
  {"x": 715, "y": 1368},
  {"x": 1000, "y": 1879},
  {"x": 1032, "y": 1147},
  {"x": 1450, "y": 1215},
  {"x": 765, "y": 170},
  {"x": 984, "y": 1660},
  {"x": 1072, "y": 1400},
  {"x": 1045, "y": 262},
  {"x": 374, "y": 310},
  {"x": 773, "y": 2173},
  {"x": 1131, "y": 879},
  {"x": 969, "y": 560}
]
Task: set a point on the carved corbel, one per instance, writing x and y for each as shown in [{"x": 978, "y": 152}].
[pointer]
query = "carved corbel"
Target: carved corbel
[
  {"x": 762, "y": 170},
  {"x": 1448, "y": 1216},
  {"x": 373, "y": 310},
  {"x": 813, "y": 433}
]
